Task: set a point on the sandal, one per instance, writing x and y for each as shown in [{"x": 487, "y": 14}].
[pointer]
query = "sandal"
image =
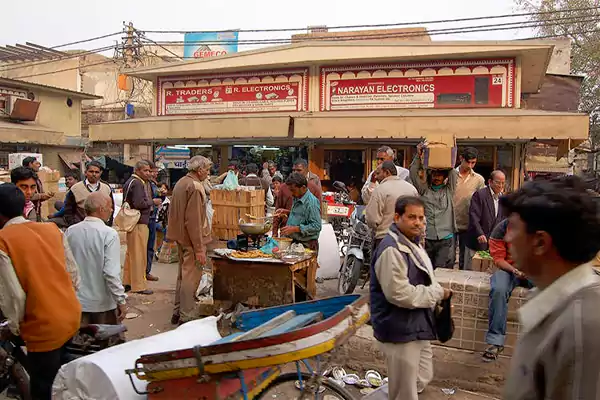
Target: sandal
[{"x": 491, "y": 353}]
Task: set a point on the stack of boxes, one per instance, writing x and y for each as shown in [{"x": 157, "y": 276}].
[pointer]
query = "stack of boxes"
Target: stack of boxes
[{"x": 50, "y": 182}]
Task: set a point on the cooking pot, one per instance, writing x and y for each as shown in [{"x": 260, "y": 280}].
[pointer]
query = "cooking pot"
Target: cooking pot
[{"x": 254, "y": 228}]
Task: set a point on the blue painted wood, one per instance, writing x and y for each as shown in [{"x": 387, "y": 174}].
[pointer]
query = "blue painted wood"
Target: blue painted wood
[
  {"x": 227, "y": 339},
  {"x": 297, "y": 322},
  {"x": 251, "y": 319}
]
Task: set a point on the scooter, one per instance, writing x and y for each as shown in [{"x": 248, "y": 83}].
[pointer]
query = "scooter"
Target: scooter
[
  {"x": 13, "y": 361},
  {"x": 339, "y": 209},
  {"x": 358, "y": 254}
]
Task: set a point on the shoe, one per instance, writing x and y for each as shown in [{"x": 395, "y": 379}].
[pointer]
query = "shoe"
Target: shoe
[
  {"x": 127, "y": 288},
  {"x": 150, "y": 277},
  {"x": 175, "y": 319},
  {"x": 146, "y": 292}
]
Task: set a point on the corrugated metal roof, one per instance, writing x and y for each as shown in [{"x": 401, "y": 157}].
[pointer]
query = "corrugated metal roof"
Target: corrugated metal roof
[{"x": 15, "y": 83}]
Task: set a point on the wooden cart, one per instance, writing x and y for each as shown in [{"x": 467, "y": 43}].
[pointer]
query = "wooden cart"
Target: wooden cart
[{"x": 264, "y": 284}]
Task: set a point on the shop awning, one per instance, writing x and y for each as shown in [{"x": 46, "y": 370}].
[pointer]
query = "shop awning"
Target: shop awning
[
  {"x": 15, "y": 132},
  {"x": 72, "y": 159},
  {"x": 178, "y": 129},
  {"x": 546, "y": 164},
  {"x": 474, "y": 124}
]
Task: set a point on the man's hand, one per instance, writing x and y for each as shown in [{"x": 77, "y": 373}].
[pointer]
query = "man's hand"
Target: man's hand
[
  {"x": 157, "y": 202},
  {"x": 281, "y": 211},
  {"x": 121, "y": 312},
  {"x": 373, "y": 177},
  {"x": 201, "y": 257},
  {"x": 288, "y": 230},
  {"x": 482, "y": 239},
  {"x": 447, "y": 294},
  {"x": 519, "y": 273},
  {"x": 46, "y": 196}
]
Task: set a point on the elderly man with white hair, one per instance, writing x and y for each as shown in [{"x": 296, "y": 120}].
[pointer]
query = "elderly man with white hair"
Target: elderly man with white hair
[
  {"x": 96, "y": 249},
  {"x": 190, "y": 225},
  {"x": 384, "y": 153}
]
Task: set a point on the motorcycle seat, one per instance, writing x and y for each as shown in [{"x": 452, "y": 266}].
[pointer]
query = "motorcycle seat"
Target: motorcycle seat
[{"x": 102, "y": 331}]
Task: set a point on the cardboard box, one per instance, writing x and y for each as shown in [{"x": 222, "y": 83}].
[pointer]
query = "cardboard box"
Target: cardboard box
[
  {"x": 470, "y": 301},
  {"x": 440, "y": 152},
  {"x": 481, "y": 264},
  {"x": 16, "y": 159},
  {"x": 48, "y": 176}
]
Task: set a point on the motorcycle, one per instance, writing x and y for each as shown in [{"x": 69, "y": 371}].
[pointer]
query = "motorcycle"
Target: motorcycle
[
  {"x": 13, "y": 361},
  {"x": 339, "y": 209},
  {"x": 358, "y": 255}
]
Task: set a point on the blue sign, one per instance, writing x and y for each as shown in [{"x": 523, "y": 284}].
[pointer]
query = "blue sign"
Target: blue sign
[{"x": 210, "y": 44}]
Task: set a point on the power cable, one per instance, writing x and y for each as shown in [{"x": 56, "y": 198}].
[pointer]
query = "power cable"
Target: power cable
[
  {"x": 26, "y": 64},
  {"x": 358, "y": 36},
  {"x": 66, "y": 69},
  {"x": 383, "y": 25},
  {"x": 142, "y": 36}
]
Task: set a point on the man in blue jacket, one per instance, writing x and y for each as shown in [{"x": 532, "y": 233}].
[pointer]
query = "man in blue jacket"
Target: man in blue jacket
[{"x": 404, "y": 292}]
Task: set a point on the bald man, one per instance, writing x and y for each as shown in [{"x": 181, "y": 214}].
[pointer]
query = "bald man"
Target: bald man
[{"x": 96, "y": 249}]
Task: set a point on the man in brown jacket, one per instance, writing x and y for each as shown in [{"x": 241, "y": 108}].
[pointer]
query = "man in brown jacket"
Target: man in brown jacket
[
  {"x": 554, "y": 233},
  {"x": 136, "y": 192},
  {"x": 190, "y": 221}
]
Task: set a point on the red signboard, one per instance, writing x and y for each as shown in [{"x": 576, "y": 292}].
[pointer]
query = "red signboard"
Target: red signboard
[
  {"x": 460, "y": 84},
  {"x": 244, "y": 93}
]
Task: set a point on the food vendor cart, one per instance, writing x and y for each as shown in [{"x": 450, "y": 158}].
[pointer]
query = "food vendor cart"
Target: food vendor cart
[{"x": 263, "y": 282}]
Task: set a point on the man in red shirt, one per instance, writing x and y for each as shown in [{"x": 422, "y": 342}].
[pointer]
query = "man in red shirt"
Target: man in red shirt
[{"x": 502, "y": 283}]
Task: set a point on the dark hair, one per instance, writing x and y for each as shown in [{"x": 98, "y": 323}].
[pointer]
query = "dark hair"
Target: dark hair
[
  {"x": 301, "y": 161},
  {"x": 151, "y": 164},
  {"x": 94, "y": 164},
  {"x": 296, "y": 179},
  {"x": 470, "y": 153},
  {"x": 12, "y": 201},
  {"x": 72, "y": 174},
  {"x": 564, "y": 209},
  {"x": 28, "y": 160},
  {"x": 277, "y": 178},
  {"x": 21, "y": 174},
  {"x": 405, "y": 201},
  {"x": 252, "y": 168},
  {"x": 390, "y": 167}
]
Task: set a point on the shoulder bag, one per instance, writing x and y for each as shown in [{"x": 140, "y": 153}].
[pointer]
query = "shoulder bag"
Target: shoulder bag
[
  {"x": 127, "y": 217},
  {"x": 444, "y": 324}
]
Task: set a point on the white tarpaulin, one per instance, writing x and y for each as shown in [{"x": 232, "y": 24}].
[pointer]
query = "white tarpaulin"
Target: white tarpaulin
[
  {"x": 101, "y": 376},
  {"x": 329, "y": 254}
]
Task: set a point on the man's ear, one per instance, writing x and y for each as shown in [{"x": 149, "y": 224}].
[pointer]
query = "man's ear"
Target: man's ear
[{"x": 541, "y": 243}]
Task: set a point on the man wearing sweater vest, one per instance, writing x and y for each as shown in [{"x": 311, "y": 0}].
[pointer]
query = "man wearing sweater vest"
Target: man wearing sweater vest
[
  {"x": 404, "y": 292},
  {"x": 75, "y": 198},
  {"x": 38, "y": 289}
]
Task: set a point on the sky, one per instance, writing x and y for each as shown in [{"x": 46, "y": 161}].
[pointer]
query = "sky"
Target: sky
[{"x": 51, "y": 23}]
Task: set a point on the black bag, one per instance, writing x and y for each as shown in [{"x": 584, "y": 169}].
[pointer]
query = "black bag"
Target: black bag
[{"x": 444, "y": 324}]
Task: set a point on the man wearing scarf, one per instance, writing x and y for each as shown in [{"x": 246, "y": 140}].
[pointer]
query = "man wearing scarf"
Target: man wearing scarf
[{"x": 25, "y": 179}]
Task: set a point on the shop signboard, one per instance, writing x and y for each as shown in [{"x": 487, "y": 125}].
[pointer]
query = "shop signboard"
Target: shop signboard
[
  {"x": 209, "y": 44},
  {"x": 172, "y": 157},
  {"x": 241, "y": 93},
  {"x": 442, "y": 84}
]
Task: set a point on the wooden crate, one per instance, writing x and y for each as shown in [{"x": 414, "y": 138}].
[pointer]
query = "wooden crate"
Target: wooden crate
[{"x": 230, "y": 206}]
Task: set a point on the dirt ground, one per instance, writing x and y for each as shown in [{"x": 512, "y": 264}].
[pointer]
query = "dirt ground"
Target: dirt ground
[{"x": 154, "y": 315}]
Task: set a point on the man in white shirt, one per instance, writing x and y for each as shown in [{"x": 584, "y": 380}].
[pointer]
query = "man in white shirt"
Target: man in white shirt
[
  {"x": 96, "y": 249},
  {"x": 384, "y": 153}
]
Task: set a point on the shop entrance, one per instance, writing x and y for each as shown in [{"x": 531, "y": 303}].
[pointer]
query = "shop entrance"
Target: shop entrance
[{"x": 346, "y": 166}]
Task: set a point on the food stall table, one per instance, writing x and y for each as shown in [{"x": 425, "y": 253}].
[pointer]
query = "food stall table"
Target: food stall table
[{"x": 263, "y": 283}]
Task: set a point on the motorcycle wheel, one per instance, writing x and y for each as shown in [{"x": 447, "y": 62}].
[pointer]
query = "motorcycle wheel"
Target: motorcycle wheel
[
  {"x": 349, "y": 275},
  {"x": 17, "y": 376}
]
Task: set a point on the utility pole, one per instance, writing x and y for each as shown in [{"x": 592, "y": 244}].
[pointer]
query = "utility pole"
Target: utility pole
[{"x": 128, "y": 46}]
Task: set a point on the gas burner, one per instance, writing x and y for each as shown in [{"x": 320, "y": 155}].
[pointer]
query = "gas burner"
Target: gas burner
[{"x": 251, "y": 242}]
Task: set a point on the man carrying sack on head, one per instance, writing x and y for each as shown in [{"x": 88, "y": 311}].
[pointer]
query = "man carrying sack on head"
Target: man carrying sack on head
[{"x": 190, "y": 225}]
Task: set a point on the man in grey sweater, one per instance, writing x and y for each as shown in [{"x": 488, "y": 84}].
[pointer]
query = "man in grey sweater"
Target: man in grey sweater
[{"x": 553, "y": 234}]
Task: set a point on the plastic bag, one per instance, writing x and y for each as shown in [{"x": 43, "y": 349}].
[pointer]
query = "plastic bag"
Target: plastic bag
[
  {"x": 231, "y": 181},
  {"x": 269, "y": 246},
  {"x": 204, "y": 292}
]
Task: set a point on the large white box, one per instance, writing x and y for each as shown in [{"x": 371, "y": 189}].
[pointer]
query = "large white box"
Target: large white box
[{"x": 16, "y": 159}]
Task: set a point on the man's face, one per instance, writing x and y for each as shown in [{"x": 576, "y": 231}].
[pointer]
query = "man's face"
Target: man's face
[
  {"x": 93, "y": 174},
  {"x": 272, "y": 169},
  {"x": 70, "y": 181},
  {"x": 144, "y": 172},
  {"x": 154, "y": 174},
  {"x": 297, "y": 192},
  {"x": 411, "y": 223},
  {"x": 36, "y": 165},
  {"x": 28, "y": 187},
  {"x": 301, "y": 169},
  {"x": 381, "y": 157},
  {"x": 203, "y": 173},
  {"x": 437, "y": 178},
  {"x": 527, "y": 249},
  {"x": 276, "y": 186},
  {"x": 467, "y": 165},
  {"x": 378, "y": 174},
  {"x": 497, "y": 184}
]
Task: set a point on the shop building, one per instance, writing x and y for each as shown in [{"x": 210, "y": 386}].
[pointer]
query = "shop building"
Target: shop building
[
  {"x": 41, "y": 119},
  {"x": 338, "y": 101}
]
